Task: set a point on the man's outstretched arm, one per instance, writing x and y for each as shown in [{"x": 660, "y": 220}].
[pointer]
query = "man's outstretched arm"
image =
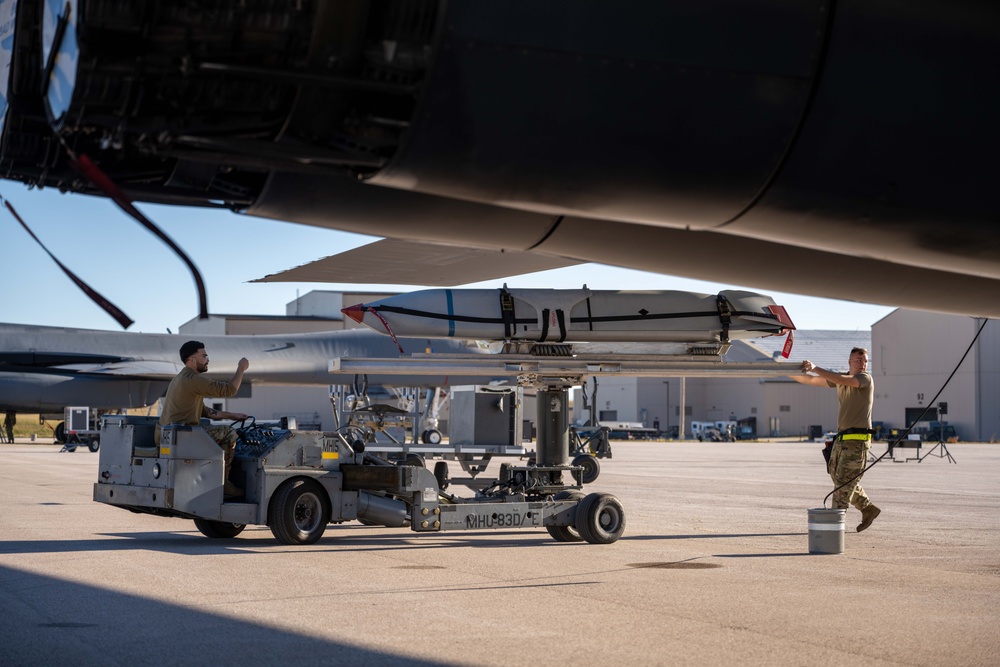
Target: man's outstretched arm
[
  {"x": 823, "y": 376},
  {"x": 812, "y": 380}
]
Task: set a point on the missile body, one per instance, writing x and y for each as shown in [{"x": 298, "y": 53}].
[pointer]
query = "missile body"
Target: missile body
[{"x": 577, "y": 315}]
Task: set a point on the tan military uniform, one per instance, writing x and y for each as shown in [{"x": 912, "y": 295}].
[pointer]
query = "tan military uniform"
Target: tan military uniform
[
  {"x": 185, "y": 404},
  {"x": 850, "y": 452}
]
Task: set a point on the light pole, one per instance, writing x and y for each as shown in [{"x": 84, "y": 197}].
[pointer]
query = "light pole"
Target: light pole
[
  {"x": 666, "y": 425},
  {"x": 683, "y": 413}
]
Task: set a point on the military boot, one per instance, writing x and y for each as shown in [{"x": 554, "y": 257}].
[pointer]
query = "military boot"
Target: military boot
[
  {"x": 230, "y": 490},
  {"x": 868, "y": 515}
]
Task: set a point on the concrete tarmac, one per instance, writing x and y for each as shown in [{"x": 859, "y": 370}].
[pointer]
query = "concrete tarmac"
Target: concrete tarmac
[{"x": 713, "y": 569}]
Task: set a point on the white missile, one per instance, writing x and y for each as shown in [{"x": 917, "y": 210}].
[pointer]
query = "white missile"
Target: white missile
[{"x": 576, "y": 315}]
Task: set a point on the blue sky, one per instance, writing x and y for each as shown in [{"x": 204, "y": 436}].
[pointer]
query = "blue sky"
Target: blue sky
[{"x": 134, "y": 270}]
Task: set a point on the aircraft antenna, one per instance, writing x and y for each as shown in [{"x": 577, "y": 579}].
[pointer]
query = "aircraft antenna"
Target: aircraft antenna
[{"x": 111, "y": 309}]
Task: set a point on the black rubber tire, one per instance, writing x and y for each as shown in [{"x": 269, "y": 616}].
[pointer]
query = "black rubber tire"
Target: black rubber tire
[
  {"x": 432, "y": 437},
  {"x": 298, "y": 512},
  {"x": 60, "y": 433},
  {"x": 591, "y": 467},
  {"x": 94, "y": 444},
  {"x": 600, "y": 518},
  {"x": 566, "y": 533},
  {"x": 219, "y": 529},
  {"x": 441, "y": 474}
]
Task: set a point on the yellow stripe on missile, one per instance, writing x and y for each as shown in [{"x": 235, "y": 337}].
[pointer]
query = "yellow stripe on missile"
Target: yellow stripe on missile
[
  {"x": 164, "y": 451},
  {"x": 331, "y": 455}
]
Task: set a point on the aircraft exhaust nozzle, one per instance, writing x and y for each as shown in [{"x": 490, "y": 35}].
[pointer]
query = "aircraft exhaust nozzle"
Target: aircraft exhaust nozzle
[{"x": 356, "y": 313}]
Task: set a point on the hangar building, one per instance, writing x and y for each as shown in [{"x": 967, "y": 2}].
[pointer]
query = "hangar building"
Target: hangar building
[{"x": 915, "y": 352}]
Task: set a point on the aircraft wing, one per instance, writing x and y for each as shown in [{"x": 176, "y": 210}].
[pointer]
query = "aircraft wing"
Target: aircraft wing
[
  {"x": 46, "y": 368},
  {"x": 77, "y": 353},
  {"x": 401, "y": 262},
  {"x": 139, "y": 368},
  {"x": 52, "y": 359}
]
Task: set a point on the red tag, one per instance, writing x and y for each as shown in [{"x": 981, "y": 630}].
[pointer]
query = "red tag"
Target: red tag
[{"x": 787, "y": 349}]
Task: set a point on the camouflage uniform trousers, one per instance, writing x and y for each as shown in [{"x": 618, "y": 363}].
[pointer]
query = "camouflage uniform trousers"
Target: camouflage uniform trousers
[
  {"x": 847, "y": 459},
  {"x": 225, "y": 436}
]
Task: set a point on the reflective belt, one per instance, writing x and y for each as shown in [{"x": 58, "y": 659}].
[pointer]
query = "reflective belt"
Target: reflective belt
[{"x": 855, "y": 436}]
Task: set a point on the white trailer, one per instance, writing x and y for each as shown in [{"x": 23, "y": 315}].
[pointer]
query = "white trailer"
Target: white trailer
[{"x": 80, "y": 429}]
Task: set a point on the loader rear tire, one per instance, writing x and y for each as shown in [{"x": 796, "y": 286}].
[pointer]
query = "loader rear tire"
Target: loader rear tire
[{"x": 600, "y": 518}]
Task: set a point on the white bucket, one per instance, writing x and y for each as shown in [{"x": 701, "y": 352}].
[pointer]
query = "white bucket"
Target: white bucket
[{"x": 826, "y": 531}]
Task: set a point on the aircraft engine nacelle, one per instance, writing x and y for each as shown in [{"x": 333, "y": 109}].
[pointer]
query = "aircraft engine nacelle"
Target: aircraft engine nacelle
[{"x": 857, "y": 130}]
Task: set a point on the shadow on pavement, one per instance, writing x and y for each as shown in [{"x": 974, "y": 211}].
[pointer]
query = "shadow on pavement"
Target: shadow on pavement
[{"x": 52, "y": 621}]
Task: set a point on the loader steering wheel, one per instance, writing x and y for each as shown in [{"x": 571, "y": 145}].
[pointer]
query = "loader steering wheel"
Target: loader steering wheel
[
  {"x": 242, "y": 424},
  {"x": 245, "y": 433}
]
